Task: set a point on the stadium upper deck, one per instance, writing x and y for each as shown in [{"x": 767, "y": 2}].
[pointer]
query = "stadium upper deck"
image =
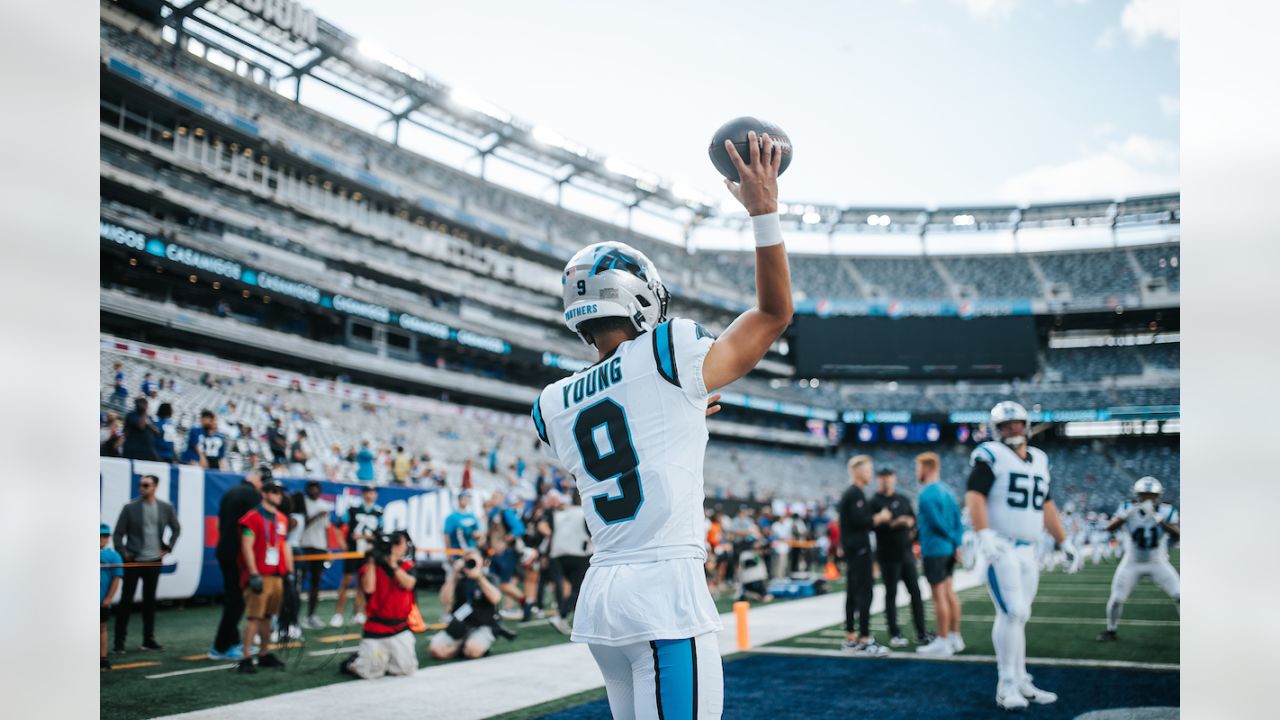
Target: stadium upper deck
[{"x": 200, "y": 149}]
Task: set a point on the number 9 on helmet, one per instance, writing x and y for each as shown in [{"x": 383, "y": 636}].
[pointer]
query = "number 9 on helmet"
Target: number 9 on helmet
[{"x": 613, "y": 279}]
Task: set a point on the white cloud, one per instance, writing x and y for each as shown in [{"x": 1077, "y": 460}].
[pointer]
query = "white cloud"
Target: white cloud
[
  {"x": 1170, "y": 106},
  {"x": 1142, "y": 19},
  {"x": 988, "y": 8},
  {"x": 1134, "y": 166}
]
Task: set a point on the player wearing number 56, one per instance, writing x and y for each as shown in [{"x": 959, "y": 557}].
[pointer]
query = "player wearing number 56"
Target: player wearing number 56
[
  {"x": 1010, "y": 506},
  {"x": 632, "y": 430}
]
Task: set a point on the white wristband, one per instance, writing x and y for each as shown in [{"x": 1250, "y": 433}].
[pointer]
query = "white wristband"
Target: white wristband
[{"x": 767, "y": 229}]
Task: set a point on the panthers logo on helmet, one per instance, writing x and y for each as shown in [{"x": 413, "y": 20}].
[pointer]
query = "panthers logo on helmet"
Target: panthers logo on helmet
[{"x": 615, "y": 259}]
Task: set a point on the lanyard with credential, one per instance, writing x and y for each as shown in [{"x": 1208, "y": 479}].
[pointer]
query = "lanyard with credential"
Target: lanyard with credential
[{"x": 269, "y": 521}]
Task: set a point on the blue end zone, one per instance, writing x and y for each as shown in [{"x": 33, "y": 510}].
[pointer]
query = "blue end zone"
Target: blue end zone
[{"x": 772, "y": 687}]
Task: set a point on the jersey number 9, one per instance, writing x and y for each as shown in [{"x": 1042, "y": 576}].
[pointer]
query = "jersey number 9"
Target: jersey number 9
[
  {"x": 1022, "y": 494},
  {"x": 620, "y": 462}
]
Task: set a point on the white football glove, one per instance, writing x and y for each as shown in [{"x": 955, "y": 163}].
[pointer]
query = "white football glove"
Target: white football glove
[
  {"x": 1074, "y": 558},
  {"x": 990, "y": 545}
]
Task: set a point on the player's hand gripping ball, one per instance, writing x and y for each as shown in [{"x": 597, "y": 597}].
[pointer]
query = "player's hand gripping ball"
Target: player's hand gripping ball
[{"x": 736, "y": 130}]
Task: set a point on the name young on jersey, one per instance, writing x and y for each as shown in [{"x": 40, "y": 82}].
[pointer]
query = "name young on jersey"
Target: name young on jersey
[{"x": 593, "y": 381}]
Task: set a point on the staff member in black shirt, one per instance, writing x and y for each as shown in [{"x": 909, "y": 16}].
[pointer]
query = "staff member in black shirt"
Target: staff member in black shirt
[
  {"x": 234, "y": 504},
  {"x": 856, "y": 522},
  {"x": 893, "y": 551}
]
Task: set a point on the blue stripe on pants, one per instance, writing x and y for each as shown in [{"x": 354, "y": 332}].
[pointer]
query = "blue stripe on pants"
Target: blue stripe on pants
[
  {"x": 995, "y": 589},
  {"x": 676, "y": 679}
]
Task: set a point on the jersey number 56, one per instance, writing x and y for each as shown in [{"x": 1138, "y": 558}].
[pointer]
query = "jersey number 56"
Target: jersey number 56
[{"x": 1026, "y": 490}]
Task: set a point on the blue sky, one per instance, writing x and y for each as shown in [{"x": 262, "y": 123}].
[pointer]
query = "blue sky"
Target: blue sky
[{"x": 897, "y": 102}]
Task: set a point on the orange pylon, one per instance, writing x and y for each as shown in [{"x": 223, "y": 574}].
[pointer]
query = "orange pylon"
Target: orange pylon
[{"x": 831, "y": 573}]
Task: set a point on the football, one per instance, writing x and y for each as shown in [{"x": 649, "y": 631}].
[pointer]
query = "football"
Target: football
[{"x": 736, "y": 130}]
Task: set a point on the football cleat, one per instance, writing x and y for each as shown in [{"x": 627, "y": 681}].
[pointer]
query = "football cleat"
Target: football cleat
[
  {"x": 1034, "y": 694},
  {"x": 1107, "y": 636},
  {"x": 1008, "y": 697}
]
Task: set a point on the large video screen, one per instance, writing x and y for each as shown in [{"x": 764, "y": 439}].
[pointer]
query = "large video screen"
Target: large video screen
[{"x": 914, "y": 347}]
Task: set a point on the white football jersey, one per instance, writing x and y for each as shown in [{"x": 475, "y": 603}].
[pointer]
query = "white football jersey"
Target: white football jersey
[
  {"x": 1144, "y": 539},
  {"x": 1015, "y": 502},
  {"x": 632, "y": 430}
]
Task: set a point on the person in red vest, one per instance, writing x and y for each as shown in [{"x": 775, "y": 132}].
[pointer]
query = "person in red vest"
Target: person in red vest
[
  {"x": 266, "y": 564},
  {"x": 387, "y": 578}
]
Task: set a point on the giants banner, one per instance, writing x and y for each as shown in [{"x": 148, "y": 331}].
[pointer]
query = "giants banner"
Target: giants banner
[{"x": 191, "y": 569}]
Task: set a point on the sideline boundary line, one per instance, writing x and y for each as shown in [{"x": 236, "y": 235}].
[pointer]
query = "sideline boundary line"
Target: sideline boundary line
[{"x": 985, "y": 659}]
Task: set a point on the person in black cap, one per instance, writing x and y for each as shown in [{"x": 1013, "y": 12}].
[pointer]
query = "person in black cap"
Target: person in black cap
[
  {"x": 234, "y": 504},
  {"x": 894, "y": 530}
]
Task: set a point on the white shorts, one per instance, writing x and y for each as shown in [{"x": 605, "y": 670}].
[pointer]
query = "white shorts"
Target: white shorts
[
  {"x": 1130, "y": 571},
  {"x": 393, "y": 655},
  {"x": 1013, "y": 579},
  {"x": 638, "y": 602},
  {"x": 663, "y": 679}
]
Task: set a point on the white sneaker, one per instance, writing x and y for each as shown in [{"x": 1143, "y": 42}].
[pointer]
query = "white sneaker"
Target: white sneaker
[
  {"x": 957, "y": 644},
  {"x": 1009, "y": 698},
  {"x": 336, "y": 621},
  {"x": 898, "y": 641},
  {"x": 940, "y": 647},
  {"x": 357, "y": 619},
  {"x": 313, "y": 623},
  {"x": 561, "y": 625},
  {"x": 1035, "y": 694},
  {"x": 295, "y": 633},
  {"x": 275, "y": 636}
]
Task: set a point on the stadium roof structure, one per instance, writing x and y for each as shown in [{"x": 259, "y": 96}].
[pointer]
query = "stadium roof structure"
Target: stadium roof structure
[{"x": 284, "y": 41}]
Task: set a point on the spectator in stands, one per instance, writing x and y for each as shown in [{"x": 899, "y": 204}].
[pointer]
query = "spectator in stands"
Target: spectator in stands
[
  {"x": 401, "y": 465},
  {"x": 206, "y": 446},
  {"x": 314, "y": 541},
  {"x": 120, "y": 391},
  {"x": 364, "y": 523},
  {"x": 462, "y": 528},
  {"x": 278, "y": 443},
  {"x": 266, "y": 565},
  {"x": 139, "y": 538},
  {"x": 780, "y": 535},
  {"x": 471, "y": 593},
  {"x": 139, "y": 433},
  {"x": 387, "y": 646},
  {"x": 893, "y": 552},
  {"x": 364, "y": 458},
  {"x": 110, "y": 571},
  {"x": 941, "y": 535},
  {"x": 298, "y": 455},
  {"x": 466, "y": 474},
  {"x": 235, "y": 502},
  {"x": 112, "y": 436},
  {"x": 166, "y": 441},
  {"x": 856, "y": 521},
  {"x": 148, "y": 385},
  {"x": 333, "y": 463}
]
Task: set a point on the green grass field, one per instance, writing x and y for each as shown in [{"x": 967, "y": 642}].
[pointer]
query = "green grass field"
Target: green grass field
[
  {"x": 132, "y": 691},
  {"x": 1068, "y": 613}
]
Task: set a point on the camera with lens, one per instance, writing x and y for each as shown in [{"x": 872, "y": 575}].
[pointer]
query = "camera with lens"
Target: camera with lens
[
  {"x": 469, "y": 564},
  {"x": 381, "y": 547}
]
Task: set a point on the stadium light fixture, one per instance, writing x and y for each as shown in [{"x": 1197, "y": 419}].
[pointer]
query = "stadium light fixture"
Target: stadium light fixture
[
  {"x": 472, "y": 101},
  {"x": 962, "y": 220},
  {"x": 811, "y": 218}
]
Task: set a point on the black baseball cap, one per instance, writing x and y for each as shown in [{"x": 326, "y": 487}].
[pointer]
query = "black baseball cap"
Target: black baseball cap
[
  {"x": 272, "y": 486},
  {"x": 886, "y": 471}
]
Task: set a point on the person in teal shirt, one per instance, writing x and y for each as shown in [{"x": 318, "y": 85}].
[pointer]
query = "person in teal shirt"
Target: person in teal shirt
[
  {"x": 364, "y": 462},
  {"x": 941, "y": 535},
  {"x": 110, "y": 572}
]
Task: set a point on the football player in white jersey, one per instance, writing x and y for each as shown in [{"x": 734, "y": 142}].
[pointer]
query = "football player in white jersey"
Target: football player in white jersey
[
  {"x": 1148, "y": 524},
  {"x": 632, "y": 431},
  {"x": 1009, "y": 505}
]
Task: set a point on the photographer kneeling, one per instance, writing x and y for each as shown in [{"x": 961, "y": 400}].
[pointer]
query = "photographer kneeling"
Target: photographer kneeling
[
  {"x": 473, "y": 599},
  {"x": 387, "y": 578}
]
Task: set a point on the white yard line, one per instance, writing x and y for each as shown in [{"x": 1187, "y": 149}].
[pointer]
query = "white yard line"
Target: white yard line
[
  {"x": 1051, "y": 662},
  {"x": 192, "y": 671}
]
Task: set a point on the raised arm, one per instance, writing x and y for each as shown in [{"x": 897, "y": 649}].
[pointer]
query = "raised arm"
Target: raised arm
[{"x": 747, "y": 339}]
